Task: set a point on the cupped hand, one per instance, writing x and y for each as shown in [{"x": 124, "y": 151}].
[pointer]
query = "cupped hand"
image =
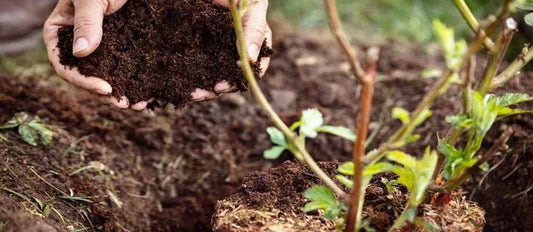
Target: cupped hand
[{"x": 87, "y": 19}]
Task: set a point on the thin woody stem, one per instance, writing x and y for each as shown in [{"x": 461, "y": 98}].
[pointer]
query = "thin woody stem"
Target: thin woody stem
[
  {"x": 336, "y": 28},
  {"x": 302, "y": 153},
  {"x": 513, "y": 69}
]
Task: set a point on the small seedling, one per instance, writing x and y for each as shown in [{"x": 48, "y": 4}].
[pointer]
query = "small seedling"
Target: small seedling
[
  {"x": 31, "y": 129},
  {"x": 310, "y": 124}
]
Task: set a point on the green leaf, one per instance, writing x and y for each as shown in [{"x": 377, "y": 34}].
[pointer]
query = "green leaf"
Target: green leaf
[
  {"x": 406, "y": 176},
  {"x": 45, "y": 135},
  {"x": 506, "y": 111},
  {"x": 422, "y": 117},
  {"x": 509, "y": 99},
  {"x": 402, "y": 158},
  {"x": 311, "y": 120},
  {"x": 276, "y": 136},
  {"x": 453, "y": 51},
  {"x": 460, "y": 121},
  {"x": 315, "y": 205},
  {"x": 344, "y": 180},
  {"x": 423, "y": 173},
  {"x": 402, "y": 114},
  {"x": 485, "y": 166},
  {"x": 28, "y": 134},
  {"x": 456, "y": 160},
  {"x": 273, "y": 153},
  {"x": 525, "y": 6},
  {"x": 346, "y": 168},
  {"x": 340, "y": 131},
  {"x": 320, "y": 193},
  {"x": 529, "y": 19},
  {"x": 322, "y": 198}
]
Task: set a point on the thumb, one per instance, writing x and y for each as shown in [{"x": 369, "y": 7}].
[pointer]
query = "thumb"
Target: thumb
[
  {"x": 256, "y": 28},
  {"x": 88, "y": 19}
]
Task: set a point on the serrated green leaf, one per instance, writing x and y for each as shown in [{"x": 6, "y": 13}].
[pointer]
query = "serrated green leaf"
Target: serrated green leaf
[
  {"x": 311, "y": 120},
  {"x": 402, "y": 114},
  {"x": 276, "y": 136},
  {"x": 344, "y": 180},
  {"x": 340, "y": 131},
  {"x": 320, "y": 193},
  {"x": 273, "y": 153},
  {"x": 510, "y": 99},
  {"x": 322, "y": 198}
]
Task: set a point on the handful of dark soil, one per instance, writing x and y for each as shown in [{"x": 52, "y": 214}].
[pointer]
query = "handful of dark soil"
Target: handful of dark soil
[{"x": 163, "y": 50}]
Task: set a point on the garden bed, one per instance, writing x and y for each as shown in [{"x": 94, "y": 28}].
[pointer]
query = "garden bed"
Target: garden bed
[{"x": 170, "y": 167}]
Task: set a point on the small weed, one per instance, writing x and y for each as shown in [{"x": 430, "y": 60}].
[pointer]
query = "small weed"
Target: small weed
[{"x": 32, "y": 130}]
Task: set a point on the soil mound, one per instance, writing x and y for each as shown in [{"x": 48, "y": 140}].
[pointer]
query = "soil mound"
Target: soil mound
[{"x": 163, "y": 50}]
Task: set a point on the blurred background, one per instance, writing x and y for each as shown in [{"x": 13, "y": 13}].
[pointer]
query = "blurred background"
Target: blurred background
[{"x": 403, "y": 19}]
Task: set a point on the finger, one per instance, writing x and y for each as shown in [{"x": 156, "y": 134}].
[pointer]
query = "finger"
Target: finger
[
  {"x": 139, "y": 105},
  {"x": 222, "y": 2},
  {"x": 121, "y": 103},
  {"x": 265, "y": 61},
  {"x": 88, "y": 19},
  {"x": 224, "y": 87},
  {"x": 72, "y": 75},
  {"x": 255, "y": 28},
  {"x": 202, "y": 95}
]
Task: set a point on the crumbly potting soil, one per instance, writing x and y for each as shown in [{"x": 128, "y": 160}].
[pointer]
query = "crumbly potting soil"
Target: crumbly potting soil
[{"x": 163, "y": 50}]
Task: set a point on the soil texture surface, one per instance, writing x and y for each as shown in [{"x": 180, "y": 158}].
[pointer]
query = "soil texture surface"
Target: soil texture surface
[{"x": 163, "y": 50}]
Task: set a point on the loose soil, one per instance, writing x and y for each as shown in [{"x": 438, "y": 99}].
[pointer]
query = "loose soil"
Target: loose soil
[
  {"x": 273, "y": 200},
  {"x": 170, "y": 167},
  {"x": 163, "y": 50}
]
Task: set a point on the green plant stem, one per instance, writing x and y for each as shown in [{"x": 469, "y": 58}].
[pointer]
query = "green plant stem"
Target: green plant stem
[
  {"x": 473, "y": 23},
  {"x": 513, "y": 69},
  {"x": 502, "y": 44},
  {"x": 428, "y": 100},
  {"x": 267, "y": 108}
]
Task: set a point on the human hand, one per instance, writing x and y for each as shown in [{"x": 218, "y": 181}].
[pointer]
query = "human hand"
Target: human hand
[{"x": 87, "y": 19}]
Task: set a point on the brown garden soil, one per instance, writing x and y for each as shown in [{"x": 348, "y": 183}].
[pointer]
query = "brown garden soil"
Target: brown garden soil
[
  {"x": 169, "y": 167},
  {"x": 156, "y": 49},
  {"x": 272, "y": 200}
]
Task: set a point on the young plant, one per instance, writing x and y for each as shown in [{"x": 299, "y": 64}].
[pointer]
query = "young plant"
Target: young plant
[
  {"x": 31, "y": 129},
  {"x": 309, "y": 125},
  {"x": 479, "y": 112}
]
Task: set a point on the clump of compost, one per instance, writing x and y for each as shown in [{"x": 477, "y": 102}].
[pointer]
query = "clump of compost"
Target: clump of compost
[{"x": 163, "y": 50}]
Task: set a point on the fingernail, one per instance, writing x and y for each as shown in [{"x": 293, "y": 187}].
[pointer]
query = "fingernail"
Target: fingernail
[
  {"x": 253, "y": 51},
  {"x": 80, "y": 45}
]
